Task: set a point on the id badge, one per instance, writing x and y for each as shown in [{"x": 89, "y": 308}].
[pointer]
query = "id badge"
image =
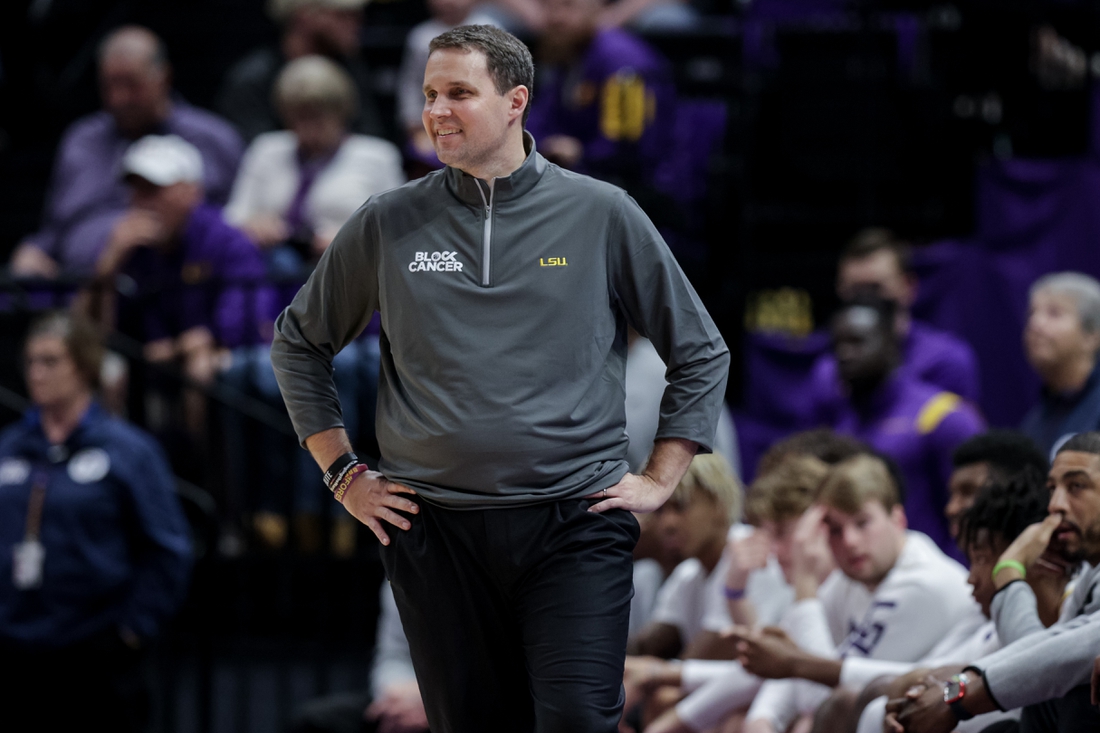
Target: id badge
[{"x": 28, "y": 557}]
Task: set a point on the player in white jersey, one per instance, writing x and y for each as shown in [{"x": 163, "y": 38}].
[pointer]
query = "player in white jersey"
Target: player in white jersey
[
  {"x": 998, "y": 516},
  {"x": 694, "y": 523},
  {"x": 749, "y": 585},
  {"x": 894, "y": 597}
]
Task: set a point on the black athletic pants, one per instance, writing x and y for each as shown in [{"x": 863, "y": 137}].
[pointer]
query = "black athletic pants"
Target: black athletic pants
[
  {"x": 1073, "y": 713},
  {"x": 516, "y": 617}
]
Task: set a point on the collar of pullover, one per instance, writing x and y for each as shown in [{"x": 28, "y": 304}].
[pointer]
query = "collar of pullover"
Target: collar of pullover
[{"x": 522, "y": 180}]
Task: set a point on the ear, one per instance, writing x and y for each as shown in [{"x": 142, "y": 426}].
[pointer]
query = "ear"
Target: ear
[
  {"x": 517, "y": 101},
  {"x": 912, "y": 284},
  {"x": 1091, "y": 341},
  {"x": 897, "y": 516}
]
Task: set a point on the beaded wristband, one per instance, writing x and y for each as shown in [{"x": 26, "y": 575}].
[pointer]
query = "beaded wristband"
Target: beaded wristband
[
  {"x": 1014, "y": 564},
  {"x": 733, "y": 594},
  {"x": 349, "y": 476}
]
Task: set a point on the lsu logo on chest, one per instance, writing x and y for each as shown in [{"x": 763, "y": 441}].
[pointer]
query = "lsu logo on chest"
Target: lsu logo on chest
[
  {"x": 552, "y": 262},
  {"x": 435, "y": 262}
]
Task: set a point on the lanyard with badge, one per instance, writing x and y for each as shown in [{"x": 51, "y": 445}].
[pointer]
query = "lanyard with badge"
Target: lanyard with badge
[{"x": 29, "y": 556}]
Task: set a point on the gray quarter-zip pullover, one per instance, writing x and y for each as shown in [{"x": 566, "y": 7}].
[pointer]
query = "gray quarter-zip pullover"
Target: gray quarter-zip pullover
[{"x": 504, "y": 312}]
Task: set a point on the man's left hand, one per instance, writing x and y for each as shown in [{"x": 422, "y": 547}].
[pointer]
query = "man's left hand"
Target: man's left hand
[
  {"x": 925, "y": 712},
  {"x": 916, "y": 702},
  {"x": 635, "y": 493},
  {"x": 646, "y": 492},
  {"x": 1027, "y": 548},
  {"x": 768, "y": 653}
]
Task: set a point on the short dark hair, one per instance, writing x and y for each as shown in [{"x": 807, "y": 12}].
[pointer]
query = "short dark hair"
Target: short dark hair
[
  {"x": 878, "y": 239},
  {"x": 1083, "y": 442},
  {"x": 1006, "y": 508},
  {"x": 1007, "y": 452},
  {"x": 82, "y": 340},
  {"x": 507, "y": 59},
  {"x": 821, "y": 443}
]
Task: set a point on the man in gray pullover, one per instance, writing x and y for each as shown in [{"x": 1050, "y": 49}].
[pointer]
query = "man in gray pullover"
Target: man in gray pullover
[
  {"x": 1044, "y": 671},
  {"x": 505, "y": 286}
]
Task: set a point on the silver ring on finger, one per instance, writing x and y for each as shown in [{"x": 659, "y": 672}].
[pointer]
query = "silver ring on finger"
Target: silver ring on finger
[{"x": 605, "y": 493}]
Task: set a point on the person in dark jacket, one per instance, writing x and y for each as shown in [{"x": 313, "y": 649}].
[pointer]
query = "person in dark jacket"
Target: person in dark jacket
[
  {"x": 1061, "y": 340},
  {"x": 94, "y": 548}
]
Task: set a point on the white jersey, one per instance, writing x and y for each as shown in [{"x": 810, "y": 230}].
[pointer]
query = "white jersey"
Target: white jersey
[
  {"x": 923, "y": 598},
  {"x": 693, "y": 600},
  {"x": 919, "y": 602},
  {"x": 766, "y": 589},
  {"x": 648, "y": 578}
]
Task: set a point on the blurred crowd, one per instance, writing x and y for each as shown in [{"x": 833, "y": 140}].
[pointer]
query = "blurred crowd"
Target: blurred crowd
[{"x": 893, "y": 560}]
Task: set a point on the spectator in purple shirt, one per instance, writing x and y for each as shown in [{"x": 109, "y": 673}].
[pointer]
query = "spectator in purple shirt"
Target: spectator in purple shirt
[
  {"x": 875, "y": 262},
  {"x": 915, "y": 423},
  {"x": 606, "y": 103},
  {"x": 87, "y": 198},
  {"x": 192, "y": 281}
]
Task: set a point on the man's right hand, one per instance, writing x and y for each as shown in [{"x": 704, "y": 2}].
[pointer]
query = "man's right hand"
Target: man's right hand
[
  {"x": 372, "y": 498},
  {"x": 747, "y": 554},
  {"x": 1026, "y": 549},
  {"x": 811, "y": 558},
  {"x": 138, "y": 228}
]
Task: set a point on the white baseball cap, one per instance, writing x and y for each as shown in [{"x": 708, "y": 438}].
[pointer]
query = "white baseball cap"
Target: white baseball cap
[{"x": 163, "y": 160}]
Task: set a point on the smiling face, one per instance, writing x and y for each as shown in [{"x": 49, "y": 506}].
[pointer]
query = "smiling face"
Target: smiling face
[
  {"x": 1074, "y": 483},
  {"x": 866, "y": 544},
  {"x": 471, "y": 125}
]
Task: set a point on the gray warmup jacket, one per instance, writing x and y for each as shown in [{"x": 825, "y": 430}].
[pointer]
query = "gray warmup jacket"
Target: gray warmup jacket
[
  {"x": 1038, "y": 663},
  {"x": 504, "y": 313}
]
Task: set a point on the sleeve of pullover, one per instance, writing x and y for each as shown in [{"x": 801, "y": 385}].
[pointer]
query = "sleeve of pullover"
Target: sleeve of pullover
[
  {"x": 1043, "y": 666},
  {"x": 660, "y": 303},
  {"x": 1015, "y": 612},
  {"x": 331, "y": 309}
]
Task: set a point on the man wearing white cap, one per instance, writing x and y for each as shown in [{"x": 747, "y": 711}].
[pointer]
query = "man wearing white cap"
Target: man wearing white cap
[
  {"x": 86, "y": 200},
  {"x": 190, "y": 271}
]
